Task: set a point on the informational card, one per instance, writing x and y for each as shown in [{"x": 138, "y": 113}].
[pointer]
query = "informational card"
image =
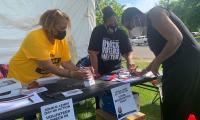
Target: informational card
[
  {"x": 72, "y": 92},
  {"x": 62, "y": 110},
  {"x": 36, "y": 90},
  {"x": 128, "y": 80},
  {"x": 14, "y": 104},
  {"x": 123, "y": 101}
]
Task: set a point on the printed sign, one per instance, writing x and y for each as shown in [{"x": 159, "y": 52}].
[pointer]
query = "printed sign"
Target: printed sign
[
  {"x": 123, "y": 101},
  {"x": 62, "y": 110}
]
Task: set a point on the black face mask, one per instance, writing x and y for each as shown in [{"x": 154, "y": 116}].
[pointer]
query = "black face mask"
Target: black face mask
[
  {"x": 111, "y": 29},
  {"x": 61, "y": 35}
]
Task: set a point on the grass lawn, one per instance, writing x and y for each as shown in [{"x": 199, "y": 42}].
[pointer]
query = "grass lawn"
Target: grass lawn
[{"x": 152, "y": 111}]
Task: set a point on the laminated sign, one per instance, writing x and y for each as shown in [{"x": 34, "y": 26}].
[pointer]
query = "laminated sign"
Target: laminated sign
[
  {"x": 62, "y": 110},
  {"x": 123, "y": 101}
]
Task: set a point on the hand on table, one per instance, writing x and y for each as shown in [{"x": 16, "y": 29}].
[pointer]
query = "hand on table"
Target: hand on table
[
  {"x": 33, "y": 85},
  {"x": 132, "y": 68},
  {"x": 153, "y": 67},
  {"x": 97, "y": 75}
]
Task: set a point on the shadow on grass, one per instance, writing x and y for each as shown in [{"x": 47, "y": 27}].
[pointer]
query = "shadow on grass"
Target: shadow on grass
[{"x": 152, "y": 111}]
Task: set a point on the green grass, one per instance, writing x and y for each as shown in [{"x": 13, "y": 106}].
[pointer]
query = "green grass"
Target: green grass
[
  {"x": 85, "y": 111},
  {"x": 142, "y": 63},
  {"x": 152, "y": 111},
  {"x": 198, "y": 39}
]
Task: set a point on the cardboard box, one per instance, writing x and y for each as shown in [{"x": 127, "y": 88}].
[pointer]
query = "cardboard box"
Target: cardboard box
[{"x": 102, "y": 115}]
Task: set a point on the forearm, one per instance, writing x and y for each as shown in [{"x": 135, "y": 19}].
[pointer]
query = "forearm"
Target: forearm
[
  {"x": 58, "y": 71},
  {"x": 170, "y": 48},
  {"x": 129, "y": 58},
  {"x": 48, "y": 66},
  {"x": 94, "y": 61},
  {"x": 69, "y": 65}
]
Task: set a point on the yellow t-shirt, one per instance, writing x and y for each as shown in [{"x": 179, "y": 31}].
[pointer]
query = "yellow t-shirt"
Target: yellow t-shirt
[{"x": 36, "y": 46}]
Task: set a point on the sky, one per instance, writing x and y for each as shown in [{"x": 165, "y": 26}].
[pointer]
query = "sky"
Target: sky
[{"x": 143, "y": 5}]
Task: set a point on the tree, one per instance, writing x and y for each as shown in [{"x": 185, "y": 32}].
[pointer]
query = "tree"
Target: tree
[
  {"x": 100, "y": 4},
  {"x": 164, "y": 3},
  {"x": 187, "y": 10}
]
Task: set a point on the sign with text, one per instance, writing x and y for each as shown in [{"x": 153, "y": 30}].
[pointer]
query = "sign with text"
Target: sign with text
[
  {"x": 123, "y": 101},
  {"x": 62, "y": 110}
]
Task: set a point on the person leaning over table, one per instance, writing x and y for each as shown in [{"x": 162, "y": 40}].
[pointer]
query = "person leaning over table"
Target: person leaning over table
[
  {"x": 44, "y": 50},
  {"x": 107, "y": 43},
  {"x": 178, "y": 52}
]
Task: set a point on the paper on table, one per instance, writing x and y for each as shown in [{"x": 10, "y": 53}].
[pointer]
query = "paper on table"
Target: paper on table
[
  {"x": 72, "y": 92},
  {"x": 48, "y": 80},
  {"x": 149, "y": 74},
  {"x": 119, "y": 70},
  {"x": 129, "y": 79},
  {"x": 19, "y": 102},
  {"x": 9, "y": 84},
  {"x": 36, "y": 98},
  {"x": 37, "y": 90}
]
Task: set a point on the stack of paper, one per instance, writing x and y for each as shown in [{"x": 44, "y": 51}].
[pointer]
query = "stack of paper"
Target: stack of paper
[
  {"x": 19, "y": 102},
  {"x": 9, "y": 87}
]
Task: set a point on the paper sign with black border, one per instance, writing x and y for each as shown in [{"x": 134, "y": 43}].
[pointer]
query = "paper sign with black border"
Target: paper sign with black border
[
  {"x": 62, "y": 110},
  {"x": 123, "y": 101}
]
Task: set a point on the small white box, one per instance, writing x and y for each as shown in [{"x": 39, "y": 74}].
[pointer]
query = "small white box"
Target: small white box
[{"x": 89, "y": 83}]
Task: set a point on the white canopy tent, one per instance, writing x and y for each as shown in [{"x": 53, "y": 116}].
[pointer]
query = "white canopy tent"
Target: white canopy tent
[{"x": 18, "y": 17}]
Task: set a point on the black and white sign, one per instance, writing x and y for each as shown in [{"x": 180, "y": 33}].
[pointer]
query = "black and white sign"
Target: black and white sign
[
  {"x": 123, "y": 101},
  {"x": 62, "y": 110}
]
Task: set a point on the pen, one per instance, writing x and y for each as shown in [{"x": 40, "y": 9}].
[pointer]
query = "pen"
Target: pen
[{"x": 30, "y": 100}]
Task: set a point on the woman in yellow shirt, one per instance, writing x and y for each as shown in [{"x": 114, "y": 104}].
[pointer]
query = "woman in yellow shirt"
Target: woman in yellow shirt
[{"x": 44, "y": 50}]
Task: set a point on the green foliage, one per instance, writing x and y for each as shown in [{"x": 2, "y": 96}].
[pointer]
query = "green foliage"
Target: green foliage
[
  {"x": 100, "y": 4},
  {"x": 164, "y": 3},
  {"x": 197, "y": 38},
  {"x": 187, "y": 10}
]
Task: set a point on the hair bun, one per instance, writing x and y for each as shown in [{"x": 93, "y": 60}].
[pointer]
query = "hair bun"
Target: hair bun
[{"x": 107, "y": 10}]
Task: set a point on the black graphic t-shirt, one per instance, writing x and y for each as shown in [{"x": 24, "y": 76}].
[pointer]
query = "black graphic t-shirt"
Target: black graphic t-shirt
[{"x": 110, "y": 48}]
